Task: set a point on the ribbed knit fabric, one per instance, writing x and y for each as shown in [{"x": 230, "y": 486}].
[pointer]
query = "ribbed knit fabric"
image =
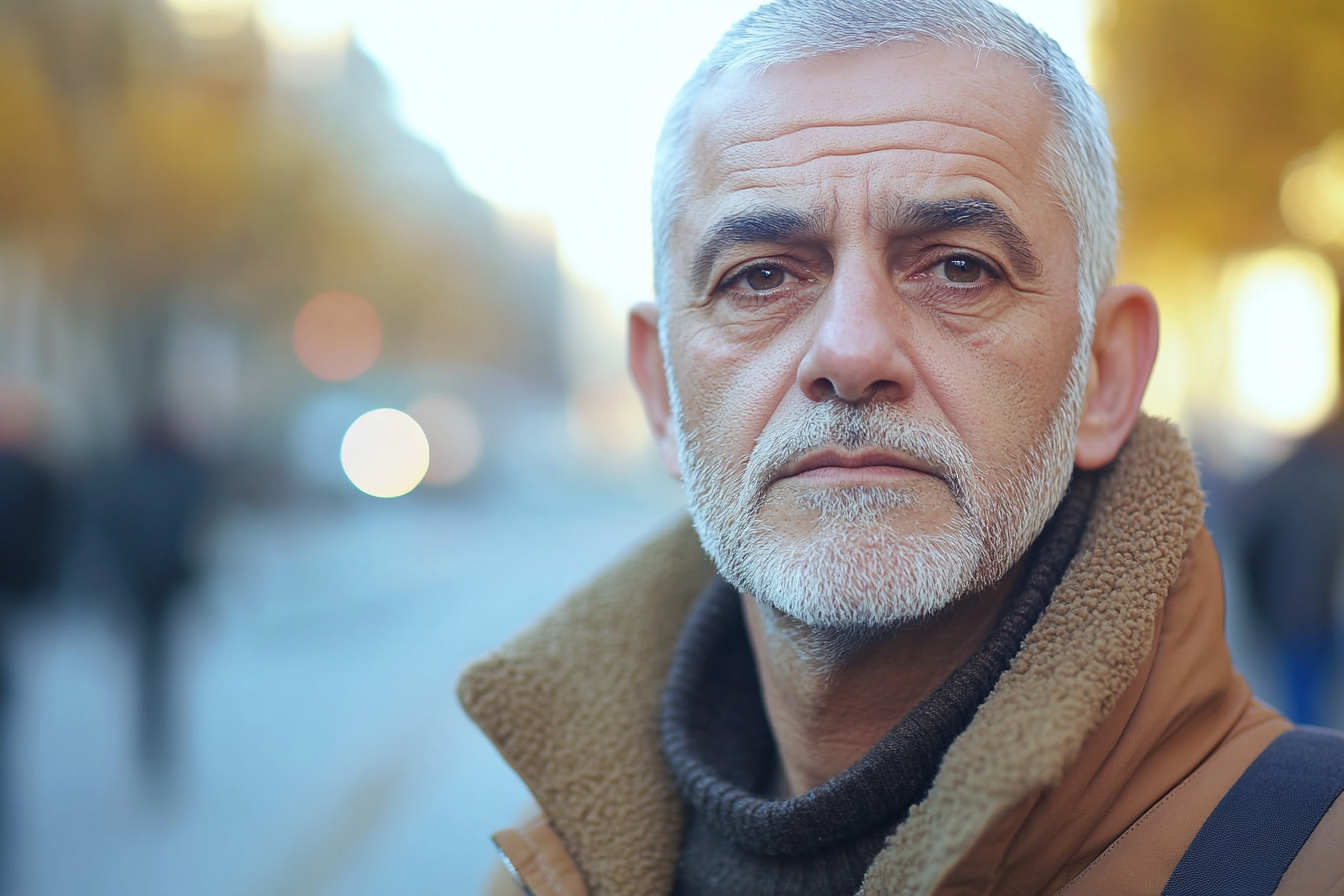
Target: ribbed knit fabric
[{"x": 718, "y": 745}]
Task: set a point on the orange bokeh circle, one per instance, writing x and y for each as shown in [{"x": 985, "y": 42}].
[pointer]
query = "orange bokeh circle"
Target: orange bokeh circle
[{"x": 337, "y": 336}]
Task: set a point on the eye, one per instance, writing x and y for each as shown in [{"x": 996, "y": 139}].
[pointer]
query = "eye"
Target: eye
[
  {"x": 963, "y": 269},
  {"x": 953, "y": 280},
  {"x": 761, "y": 277},
  {"x": 764, "y": 278}
]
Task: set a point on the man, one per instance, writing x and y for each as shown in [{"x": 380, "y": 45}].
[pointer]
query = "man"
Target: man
[
  {"x": 966, "y": 634},
  {"x": 1290, "y": 534}
]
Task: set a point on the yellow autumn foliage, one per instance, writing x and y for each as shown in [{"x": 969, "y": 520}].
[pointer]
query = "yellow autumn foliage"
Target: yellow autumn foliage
[{"x": 1209, "y": 101}]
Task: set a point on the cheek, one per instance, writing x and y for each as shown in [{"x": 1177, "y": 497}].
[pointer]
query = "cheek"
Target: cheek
[
  {"x": 1001, "y": 394},
  {"x": 730, "y": 390}
]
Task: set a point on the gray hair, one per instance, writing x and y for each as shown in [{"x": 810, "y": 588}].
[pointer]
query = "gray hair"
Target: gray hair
[{"x": 1080, "y": 161}]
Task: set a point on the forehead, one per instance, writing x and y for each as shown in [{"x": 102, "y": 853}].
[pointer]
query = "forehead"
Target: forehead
[{"x": 905, "y": 120}]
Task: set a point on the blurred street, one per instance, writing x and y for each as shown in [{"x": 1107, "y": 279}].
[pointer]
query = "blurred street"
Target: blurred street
[
  {"x": 261, "y": 260},
  {"x": 321, "y": 747}
]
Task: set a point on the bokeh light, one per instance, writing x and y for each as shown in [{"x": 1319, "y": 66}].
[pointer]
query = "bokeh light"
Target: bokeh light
[
  {"x": 385, "y": 453},
  {"x": 1284, "y": 339},
  {"x": 454, "y": 435},
  {"x": 306, "y": 24},
  {"x": 21, "y": 412},
  {"x": 211, "y": 19},
  {"x": 337, "y": 336},
  {"x": 307, "y": 39},
  {"x": 1312, "y": 197}
]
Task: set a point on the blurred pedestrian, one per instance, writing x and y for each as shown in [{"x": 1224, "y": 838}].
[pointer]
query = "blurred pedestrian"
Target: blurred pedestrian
[
  {"x": 149, "y": 504},
  {"x": 1292, "y": 531},
  {"x": 29, "y": 499}
]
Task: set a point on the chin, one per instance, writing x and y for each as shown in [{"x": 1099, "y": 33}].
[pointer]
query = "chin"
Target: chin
[{"x": 857, "y": 574}]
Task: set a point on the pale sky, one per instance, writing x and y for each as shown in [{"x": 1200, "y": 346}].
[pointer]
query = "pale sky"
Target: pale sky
[{"x": 554, "y": 108}]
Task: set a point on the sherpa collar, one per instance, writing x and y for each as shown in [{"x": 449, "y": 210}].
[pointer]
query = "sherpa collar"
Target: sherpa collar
[{"x": 572, "y": 703}]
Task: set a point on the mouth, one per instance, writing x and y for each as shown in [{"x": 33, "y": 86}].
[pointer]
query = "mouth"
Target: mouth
[{"x": 833, "y": 467}]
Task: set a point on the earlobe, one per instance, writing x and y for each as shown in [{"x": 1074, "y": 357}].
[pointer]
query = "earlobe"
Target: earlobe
[
  {"x": 646, "y": 368},
  {"x": 1124, "y": 347}
]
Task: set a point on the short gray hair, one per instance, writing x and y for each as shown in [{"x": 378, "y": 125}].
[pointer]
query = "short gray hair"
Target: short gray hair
[{"x": 1080, "y": 161}]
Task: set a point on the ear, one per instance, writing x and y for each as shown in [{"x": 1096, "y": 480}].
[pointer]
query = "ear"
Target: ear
[
  {"x": 646, "y": 367},
  {"x": 1124, "y": 347}
]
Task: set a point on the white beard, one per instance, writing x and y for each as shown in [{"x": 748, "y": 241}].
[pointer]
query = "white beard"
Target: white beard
[{"x": 862, "y": 566}]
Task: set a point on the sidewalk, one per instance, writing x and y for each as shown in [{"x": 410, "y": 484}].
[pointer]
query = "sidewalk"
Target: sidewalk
[{"x": 321, "y": 748}]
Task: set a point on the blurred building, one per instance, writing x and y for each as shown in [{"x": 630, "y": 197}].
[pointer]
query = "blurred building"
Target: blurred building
[{"x": 173, "y": 189}]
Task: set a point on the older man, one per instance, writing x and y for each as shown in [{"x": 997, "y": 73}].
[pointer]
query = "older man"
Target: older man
[{"x": 962, "y": 627}]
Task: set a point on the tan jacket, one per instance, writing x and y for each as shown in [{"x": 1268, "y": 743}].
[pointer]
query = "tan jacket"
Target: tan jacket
[{"x": 1089, "y": 769}]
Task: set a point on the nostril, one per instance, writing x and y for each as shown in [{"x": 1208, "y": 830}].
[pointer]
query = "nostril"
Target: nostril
[
  {"x": 822, "y": 389},
  {"x": 884, "y": 386},
  {"x": 825, "y": 389}
]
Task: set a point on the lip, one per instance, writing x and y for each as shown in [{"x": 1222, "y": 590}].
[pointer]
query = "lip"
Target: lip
[{"x": 830, "y": 463}]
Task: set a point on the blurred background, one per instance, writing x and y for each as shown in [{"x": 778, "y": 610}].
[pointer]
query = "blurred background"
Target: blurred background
[{"x": 311, "y": 390}]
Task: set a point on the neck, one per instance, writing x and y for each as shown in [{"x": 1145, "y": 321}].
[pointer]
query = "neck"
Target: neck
[{"x": 830, "y": 696}]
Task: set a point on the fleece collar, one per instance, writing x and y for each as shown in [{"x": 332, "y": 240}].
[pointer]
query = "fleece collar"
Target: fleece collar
[{"x": 573, "y": 704}]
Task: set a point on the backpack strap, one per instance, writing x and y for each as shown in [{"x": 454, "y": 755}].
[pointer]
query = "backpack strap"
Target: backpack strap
[{"x": 1258, "y": 827}]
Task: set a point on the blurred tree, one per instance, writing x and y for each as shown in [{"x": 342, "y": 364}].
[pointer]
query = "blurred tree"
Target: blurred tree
[
  {"x": 1209, "y": 100},
  {"x": 148, "y": 169},
  {"x": 42, "y": 185}
]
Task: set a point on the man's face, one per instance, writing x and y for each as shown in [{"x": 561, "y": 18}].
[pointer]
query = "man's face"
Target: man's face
[{"x": 871, "y": 330}]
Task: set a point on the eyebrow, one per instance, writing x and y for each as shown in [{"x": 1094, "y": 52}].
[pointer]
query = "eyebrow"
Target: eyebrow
[
  {"x": 778, "y": 224},
  {"x": 970, "y": 213},
  {"x": 763, "y": 224}
]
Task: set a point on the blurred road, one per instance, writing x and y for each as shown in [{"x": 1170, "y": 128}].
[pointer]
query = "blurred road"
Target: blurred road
[{"x": 322, "y": 749}]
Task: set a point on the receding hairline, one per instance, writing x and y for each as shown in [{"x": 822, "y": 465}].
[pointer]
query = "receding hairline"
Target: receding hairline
[{"x": 739, "y": 77}]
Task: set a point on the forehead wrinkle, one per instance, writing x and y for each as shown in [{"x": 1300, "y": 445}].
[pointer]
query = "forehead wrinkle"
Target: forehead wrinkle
[
  {"x": 738, "y": 158},
  {"x": 797, "y": 163},
  {"x": 769, "y": 186},
  {"x": 902, "y": 136},
  {"x": 843, "y": 126}
]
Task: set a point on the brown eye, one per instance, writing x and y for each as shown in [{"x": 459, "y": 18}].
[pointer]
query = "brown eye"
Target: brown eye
[
  {"x": 963, "y": 270},
  {"x": 764, "y": 278}
]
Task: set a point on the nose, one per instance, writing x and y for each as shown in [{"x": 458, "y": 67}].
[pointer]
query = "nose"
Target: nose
[{"x": 859, "y": 345}]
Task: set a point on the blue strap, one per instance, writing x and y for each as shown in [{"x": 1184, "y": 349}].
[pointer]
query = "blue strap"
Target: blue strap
[{"x": 1257, "y": 829}]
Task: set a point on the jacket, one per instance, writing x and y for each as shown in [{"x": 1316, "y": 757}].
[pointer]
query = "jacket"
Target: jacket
[{"x": 1089, "y": 769}]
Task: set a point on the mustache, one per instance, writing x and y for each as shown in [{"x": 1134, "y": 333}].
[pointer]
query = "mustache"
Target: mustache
[{"x": 848, "y": 427}]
